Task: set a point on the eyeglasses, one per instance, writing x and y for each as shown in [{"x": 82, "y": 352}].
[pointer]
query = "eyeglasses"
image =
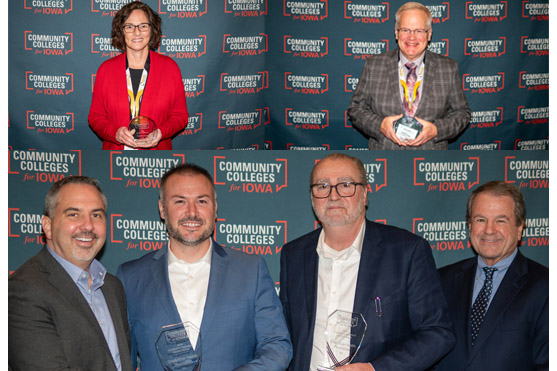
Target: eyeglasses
[
  {"x": 420, "y": 32},
  {"x": 344, "y": 189},
  {"x": 143, "y": 27}
]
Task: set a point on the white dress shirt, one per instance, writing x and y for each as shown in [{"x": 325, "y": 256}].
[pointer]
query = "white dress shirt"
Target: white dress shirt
[
  {"x": 336, "y": 289},
  {"x": 189, "y": 283}
]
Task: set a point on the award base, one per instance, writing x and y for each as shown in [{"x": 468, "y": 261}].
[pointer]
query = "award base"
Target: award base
[
  {"x": 323, "y": 368},
  {"x": 407, "y": 128}
]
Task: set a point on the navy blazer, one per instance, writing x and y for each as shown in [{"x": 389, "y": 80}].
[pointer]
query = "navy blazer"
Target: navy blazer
[
  {"x": 414, "y": 330},
  {"x": 515, "y": 332},
  {"x": 242, "y": 327}
]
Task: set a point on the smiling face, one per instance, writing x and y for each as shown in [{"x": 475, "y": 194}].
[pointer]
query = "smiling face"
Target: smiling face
[
  {"x": 137, "y": 40},
  {"x": 413, "y": 45},
  {"x": 335, "y": 210},
  {"x": 189, "y": 209},
  {"x": 77, "y": 230},
  {"x": 494, "y": 232}
]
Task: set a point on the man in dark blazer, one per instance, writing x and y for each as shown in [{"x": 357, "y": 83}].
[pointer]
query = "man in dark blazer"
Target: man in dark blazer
[
  {"x": 514, "y": 334},
  {"x": 64, "y": 310},
  {"x": 384, "y": 273},
  {"x": 228, "y": 296},
  {"x": 440, "y": 105}
]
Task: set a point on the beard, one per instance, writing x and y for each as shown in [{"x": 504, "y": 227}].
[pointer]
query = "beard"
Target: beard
[
  {"x": 175, "y": 234},
  {"x": 337, "y": 220}
]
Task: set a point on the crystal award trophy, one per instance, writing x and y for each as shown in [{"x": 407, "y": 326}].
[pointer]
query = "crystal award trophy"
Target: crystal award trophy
[
  {"x": 144, "y": 128},
  {"x": 344, "y": 336},
  {"x": 407, "y": 128},
  {"x": 175, "y": 350}
]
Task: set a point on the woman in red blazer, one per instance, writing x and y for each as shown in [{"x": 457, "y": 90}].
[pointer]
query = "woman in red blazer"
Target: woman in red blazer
[{"x": 137, "y": 82}]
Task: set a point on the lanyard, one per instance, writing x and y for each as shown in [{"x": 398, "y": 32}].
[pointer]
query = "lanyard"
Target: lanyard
[
  {"x": 135, "y": 100},
  {"x": 407, "y": 97}
]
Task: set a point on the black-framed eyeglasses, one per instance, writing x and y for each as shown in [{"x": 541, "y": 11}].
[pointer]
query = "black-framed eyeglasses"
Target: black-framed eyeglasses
[
  {"x": 344, "y": 189},
  {"x": 142, "y": 27}
]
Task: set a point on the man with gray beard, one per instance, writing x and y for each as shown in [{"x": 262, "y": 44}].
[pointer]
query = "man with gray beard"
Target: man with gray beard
[
  {"x": 371, "y": 273},
  {"x": 226, "y": 299}
]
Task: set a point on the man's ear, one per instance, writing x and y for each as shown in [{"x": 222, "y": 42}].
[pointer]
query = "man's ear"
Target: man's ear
[{"x": 46, "y": 223}]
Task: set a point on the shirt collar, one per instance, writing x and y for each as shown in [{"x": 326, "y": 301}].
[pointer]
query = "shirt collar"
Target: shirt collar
[
  {"x": 327, "y": 252},
  {"x": 418, "y": 61},
  {"x": 501, "y": 265},
  {"x": 172, "y": 259},
  {"x": 96, "y": 270}
]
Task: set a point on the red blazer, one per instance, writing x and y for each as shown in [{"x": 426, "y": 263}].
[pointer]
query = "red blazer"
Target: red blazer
[{"x": 164, "y": 100}]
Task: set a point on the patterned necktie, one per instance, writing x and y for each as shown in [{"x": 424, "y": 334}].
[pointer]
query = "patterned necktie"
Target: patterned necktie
[
  {"x": 480, "y": 305},
  {"x": 411, "y": 78}
]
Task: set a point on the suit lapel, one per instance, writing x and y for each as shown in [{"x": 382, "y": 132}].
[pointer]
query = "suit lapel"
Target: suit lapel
[
  {"x": 309, "y": 267},
  {"x": 394, "y": 80},
  {"x": 159, "y": 275},
  {"x": 463, "y": 287},
  {"x": 429, "y": 77},
  {"x": 116, "y": 314}
]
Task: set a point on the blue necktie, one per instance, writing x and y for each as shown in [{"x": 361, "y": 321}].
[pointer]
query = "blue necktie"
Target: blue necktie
[{"x": 480, "y": 305}]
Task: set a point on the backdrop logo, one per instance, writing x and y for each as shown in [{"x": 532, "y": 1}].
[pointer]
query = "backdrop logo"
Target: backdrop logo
[
  {"x": 251, "y": 177},
  {"x": 527, "y": 173},
  {"x": 317, "y": 120},
  {"x": 44, "y": 167},
  {"x": 487, "y": 119},
  {"x": 532, "y": 116},
  {"x": 535, "y": 11},
  {"x": 25, "y": 224},
  {"x": 195, "y": 124},
  {"x": 439, "y": 47},
  {"x": 183, "y": 8},
  {"x": 534, "y": 81},
  {"x": 240, "y": 121},
  {"x": 485, "y": 48},
  {"x": 531, "y": 145},
  {"x": 305, "y": 84},
  {"x": 496, "y": 145},
  {"x": 107, "y": 8},
  {"x": 245, "y": 45},
  {"x": 50, "y": 123},
  {"x": 297, "y": 147},
  {"x": 260, "y": 239},
  {"x": 137, "y": 234},
  {"x": 184, "y": 48},
  {"x": 361, "y": 12},
  {"x": 350, "y": 83},
  {"x": 49, "y": 84},
  {"x": 442, "y": 235},
  {"x": 483, "y": 84},
  {"x": 439, "y": 13},
  {"x": 194, "y": 86},
  {"x": 534, "y": 46},
  {"x": 306, "y": 48},
  {"x": 49, "y": 7},
  {"x": 481, "y": 12},
  {"x": 376, "y": 173},
  {"x": 306, "y": 10},
  {"x": 61, "y": 44},
  {"x": 244, "y": 84},
  {"x": 139, "y": 171},
  {"x": 245, "y": 8},
  {"x": 536, "y": 233},
  {"x": 443, "y": 176},
  {"x": 103, "y": 46},
  {"x": 364, "y": 49}
]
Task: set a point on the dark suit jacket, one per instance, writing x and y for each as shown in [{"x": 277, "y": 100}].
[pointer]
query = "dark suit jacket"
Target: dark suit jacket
[
  {"x": 515, "y": 332},
  {"x": 242, "y": 328},
  {"x": 52, "y": 327},
  {"x": 414, "y": 330},
  {"x": 164, "y": 100},
  {"x": 378, "y": 96}
]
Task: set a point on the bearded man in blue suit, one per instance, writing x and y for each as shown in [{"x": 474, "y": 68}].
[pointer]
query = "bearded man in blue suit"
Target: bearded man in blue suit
[
  {"x": 384, "y": 273},
  {"x": 226, "y": 294}
]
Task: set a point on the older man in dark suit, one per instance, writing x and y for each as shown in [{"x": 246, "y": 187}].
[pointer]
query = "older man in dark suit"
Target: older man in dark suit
[
  {"x": 64, "y": 311},
  {"x": 499, "y": 300},
  {"x": 383, "y": 273},
  {"x": 411, "y": 81}
]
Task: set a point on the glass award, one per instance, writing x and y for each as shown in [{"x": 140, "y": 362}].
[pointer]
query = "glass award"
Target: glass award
[
  {"x": 344, "y": 336},
  {"x": 407, "y": 128},
  {"x": 144, "y": 128},
  {"x": 175, "y": 350}
]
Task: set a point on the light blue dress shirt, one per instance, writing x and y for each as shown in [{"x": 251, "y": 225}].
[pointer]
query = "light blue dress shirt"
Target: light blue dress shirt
[
  {"x": 94, "y": 298},
  {"x": 502, "y": 268}
]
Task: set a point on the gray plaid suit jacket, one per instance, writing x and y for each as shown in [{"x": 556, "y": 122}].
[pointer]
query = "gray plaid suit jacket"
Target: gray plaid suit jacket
[{"x": 378, "y": 96}]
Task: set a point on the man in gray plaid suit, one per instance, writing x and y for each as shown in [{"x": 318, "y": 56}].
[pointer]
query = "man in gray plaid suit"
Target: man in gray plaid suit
[{"x": 411, "y": 81}]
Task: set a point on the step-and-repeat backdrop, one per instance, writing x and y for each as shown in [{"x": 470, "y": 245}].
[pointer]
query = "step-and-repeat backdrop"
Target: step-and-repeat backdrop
[
  {"x": 277, "y": 74},
  {"x": 264, "y": 202}
]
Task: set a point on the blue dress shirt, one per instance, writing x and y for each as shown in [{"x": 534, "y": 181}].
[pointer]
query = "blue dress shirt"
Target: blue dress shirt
[{"x": 502, "y": 267}]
